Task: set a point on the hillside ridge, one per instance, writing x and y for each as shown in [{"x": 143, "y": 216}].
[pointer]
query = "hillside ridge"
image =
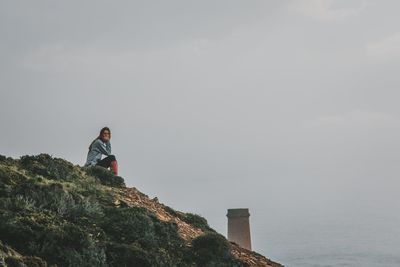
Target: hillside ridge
[{"x": 54, "y": 213}]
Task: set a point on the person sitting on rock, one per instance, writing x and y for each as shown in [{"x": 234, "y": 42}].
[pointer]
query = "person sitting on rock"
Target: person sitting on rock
[{"x": 99, "y": 147}]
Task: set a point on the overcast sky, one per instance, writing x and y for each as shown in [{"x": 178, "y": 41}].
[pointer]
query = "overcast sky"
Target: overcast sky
[{"x": 288, "y": 108}]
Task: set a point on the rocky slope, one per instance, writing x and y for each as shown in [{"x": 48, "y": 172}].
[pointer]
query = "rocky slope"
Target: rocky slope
[{"x": 53, "y": 213}]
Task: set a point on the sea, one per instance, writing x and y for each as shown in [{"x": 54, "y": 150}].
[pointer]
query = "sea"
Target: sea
[{"x": 371, "y": 243}]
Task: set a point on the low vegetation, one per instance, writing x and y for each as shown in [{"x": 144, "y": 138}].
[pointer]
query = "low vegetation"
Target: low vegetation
[{"x": 53, "y": 213}]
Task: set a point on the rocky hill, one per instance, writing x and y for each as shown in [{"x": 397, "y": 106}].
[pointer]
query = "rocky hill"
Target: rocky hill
[{"x": 53, "y": 213}]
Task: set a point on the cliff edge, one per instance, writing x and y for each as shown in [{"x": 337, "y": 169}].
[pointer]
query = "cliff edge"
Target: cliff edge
[{"x": 53, "y": 213}]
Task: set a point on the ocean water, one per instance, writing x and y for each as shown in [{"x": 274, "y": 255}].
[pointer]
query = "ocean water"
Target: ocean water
[
  {"x": 350, "y": 259},
  {"x": 368, "y": 243}
]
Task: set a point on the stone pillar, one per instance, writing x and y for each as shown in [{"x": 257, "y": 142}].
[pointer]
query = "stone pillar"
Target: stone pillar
[{"x": 239, "y": 227}]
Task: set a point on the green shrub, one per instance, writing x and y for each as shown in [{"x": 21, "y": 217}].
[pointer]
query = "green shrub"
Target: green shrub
[
  {"x": 210, "y": 247},
  {"x": 9, "y": 257},
  {"x": 18, "y": 203},
  {"x": 18, "y": 230},
  {"x": 9, "y": 178},
  {"x": 20, "y": 261},
  {"x": 32, "y": 261},
  {"x": 105, "y": 176},
  {"x": 2, "y": 260},
  {"x": 14, "y": 262},
  {"x": 74, "y": 207},
  {"x": 197, "y": 221},
  {"x": 88, "y": 208},
  {"x": 56, "y": 241},
  {"x": 140, "y": 227},
  {"x": 190, "y": 218},
  {"x": 70, "y": 245},
  {"x": 6, "y": 160},
  {"x": 53, "y": 197},
  {"x": 49, "y": 167},
  {"x": 127, "y": 255},
  {"x": 171, "y": 211},
  {"x": 85, "y": 256},
  {"x": 45, "y": 195},
  {"x": 3, "y": 158},
  {"x": 129, "y": 225}
]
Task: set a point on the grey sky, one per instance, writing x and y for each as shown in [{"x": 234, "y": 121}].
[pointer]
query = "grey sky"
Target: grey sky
[{"x": 289, "y": 108}]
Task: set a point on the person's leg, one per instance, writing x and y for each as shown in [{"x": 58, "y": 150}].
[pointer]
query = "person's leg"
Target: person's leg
[
  {"x": 114, "y": 167},
  {"x": 106, "y": 162},
  {"x": 109, "y": 162}
]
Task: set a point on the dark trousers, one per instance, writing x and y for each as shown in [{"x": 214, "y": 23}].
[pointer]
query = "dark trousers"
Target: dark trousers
[{"x": 106, "y": 162}]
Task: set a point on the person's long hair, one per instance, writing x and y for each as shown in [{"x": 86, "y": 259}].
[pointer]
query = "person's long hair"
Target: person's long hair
[{"x": 99, "y": 137}]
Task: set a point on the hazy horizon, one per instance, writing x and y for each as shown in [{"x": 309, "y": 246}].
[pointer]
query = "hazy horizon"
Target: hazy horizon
[{"x": 288, "y": 108}]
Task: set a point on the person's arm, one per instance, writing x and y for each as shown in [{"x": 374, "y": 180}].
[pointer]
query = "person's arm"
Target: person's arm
[
  {"x": 100, "y": 146},
  {"x": 108, "y": 147}
]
